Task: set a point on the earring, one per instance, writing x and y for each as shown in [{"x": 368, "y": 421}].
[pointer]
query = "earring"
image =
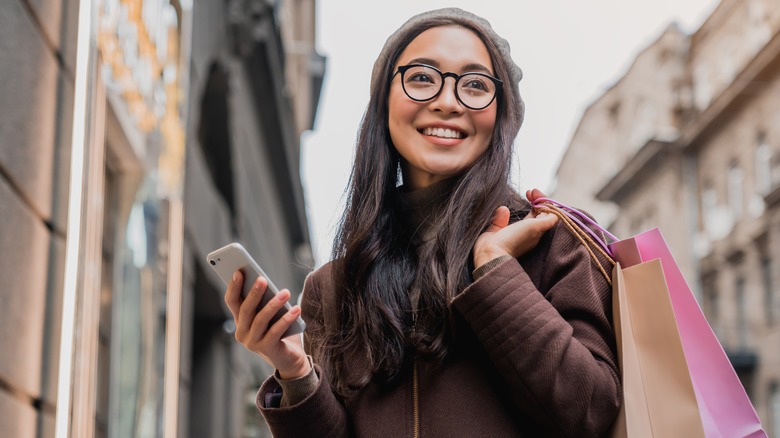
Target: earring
[{"x": 399, "y": 176}]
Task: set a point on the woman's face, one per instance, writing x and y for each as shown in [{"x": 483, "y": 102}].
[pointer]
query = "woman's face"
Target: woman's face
[{"x": 440, "y": 138}]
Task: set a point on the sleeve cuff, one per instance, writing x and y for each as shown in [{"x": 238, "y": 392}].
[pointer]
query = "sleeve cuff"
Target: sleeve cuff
[
  {"x": 294, "y": 391},
  {"x": 482, "y": 270}
]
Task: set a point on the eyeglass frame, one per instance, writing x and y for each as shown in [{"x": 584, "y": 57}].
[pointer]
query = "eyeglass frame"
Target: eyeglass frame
[{"x": 402, "y": 69}]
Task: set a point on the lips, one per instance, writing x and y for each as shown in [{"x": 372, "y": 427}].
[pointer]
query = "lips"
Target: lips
[{"x": 442, "y": 132}]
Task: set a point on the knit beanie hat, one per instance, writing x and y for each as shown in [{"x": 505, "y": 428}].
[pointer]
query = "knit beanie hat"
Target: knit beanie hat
[{"x": 458, "y": 15}]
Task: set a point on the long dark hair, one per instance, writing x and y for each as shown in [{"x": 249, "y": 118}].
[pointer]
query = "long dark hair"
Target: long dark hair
[{"x": 373, "y": 263}]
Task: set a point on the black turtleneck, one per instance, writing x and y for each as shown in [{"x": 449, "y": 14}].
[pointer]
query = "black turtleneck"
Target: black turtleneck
[
  {"x": 423, "y": 208},
  {"x": 423, "y": 211}
]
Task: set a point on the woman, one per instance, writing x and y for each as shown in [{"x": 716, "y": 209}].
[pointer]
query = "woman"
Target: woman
[{"x": 437, "y": 317}]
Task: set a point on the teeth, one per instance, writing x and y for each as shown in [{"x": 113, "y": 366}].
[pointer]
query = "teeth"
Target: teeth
[{"x": 442, "y": 132}]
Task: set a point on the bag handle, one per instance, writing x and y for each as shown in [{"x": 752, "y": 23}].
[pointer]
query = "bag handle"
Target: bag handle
[
  {"x": 579, "y": 217},
  {"x": 578, "y": 230}
]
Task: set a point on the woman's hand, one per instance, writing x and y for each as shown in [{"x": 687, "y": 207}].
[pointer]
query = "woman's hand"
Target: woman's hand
[
  {"x": 500, "y": 238},
  {"x": 253, "y": 332}
]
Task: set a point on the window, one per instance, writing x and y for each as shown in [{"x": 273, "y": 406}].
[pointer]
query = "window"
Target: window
[
  {"x": 735, "y": 191},
  {"x": 709, "y": 200},
  {"x": 770, "y": 305},
  {"x": 643, "y": 128},
  {"x": 742, "y": 328},
  {"x": 711, "y": 302},
  {"x": 763, "y": 157},
  {"x": 709, "y": 207}
]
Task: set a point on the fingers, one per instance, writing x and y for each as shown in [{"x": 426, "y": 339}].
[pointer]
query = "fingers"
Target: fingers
[
  {"x": 546, "y": 220},
  {"x": 261, "y": 322},
  {"x": 252, "y": 326},
  {"x": 256, "y": 333},
  {"x": 248, "y": 310},
  {"x": 531, "y": 229},
  {"x": 500, "y": 219},
  {"x": 277, "y": 330},
  {"x": 233, "y": 294},
  {"x": 534, "y": 194}
]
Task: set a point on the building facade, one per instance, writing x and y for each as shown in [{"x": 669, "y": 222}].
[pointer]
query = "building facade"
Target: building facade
[
  {"x": 137, "y": 136},
  {"x": 700, "y": 159}
]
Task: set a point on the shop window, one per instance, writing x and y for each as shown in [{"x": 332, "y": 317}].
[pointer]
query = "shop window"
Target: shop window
[
  {"x": 108, "y": 252},
  {"x": 214, "y": 135}
]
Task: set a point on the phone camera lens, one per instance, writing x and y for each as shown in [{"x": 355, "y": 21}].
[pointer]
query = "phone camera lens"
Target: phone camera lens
[{"x": 213, "y": 263}]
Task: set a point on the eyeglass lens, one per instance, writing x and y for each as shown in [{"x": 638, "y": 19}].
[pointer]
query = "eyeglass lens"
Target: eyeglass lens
[{"x": 474, "y": 90}]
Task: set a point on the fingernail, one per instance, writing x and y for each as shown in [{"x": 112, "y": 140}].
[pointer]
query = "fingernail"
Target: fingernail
[{"x": 235, "y": 276}]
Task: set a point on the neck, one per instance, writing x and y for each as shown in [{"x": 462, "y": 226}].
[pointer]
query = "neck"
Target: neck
[{"x": 422, "y": 208}]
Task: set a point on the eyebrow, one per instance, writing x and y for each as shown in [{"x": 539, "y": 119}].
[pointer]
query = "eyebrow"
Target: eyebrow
[{"x": 470, "y": 67}]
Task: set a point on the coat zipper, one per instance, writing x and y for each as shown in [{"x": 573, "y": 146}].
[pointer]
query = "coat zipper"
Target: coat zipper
[
  {"x": 415, "y": 386},
  {"x": 415, "y": 400}
]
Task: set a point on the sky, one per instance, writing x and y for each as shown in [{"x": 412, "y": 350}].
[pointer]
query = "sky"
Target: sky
[{"x": 571, "y": 51}]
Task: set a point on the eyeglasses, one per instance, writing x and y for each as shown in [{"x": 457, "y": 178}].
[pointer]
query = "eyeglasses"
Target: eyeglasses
[{"x": 474, "y": 90}]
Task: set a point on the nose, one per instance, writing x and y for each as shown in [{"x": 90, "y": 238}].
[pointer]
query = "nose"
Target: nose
[{"x": 447, "y": 101}]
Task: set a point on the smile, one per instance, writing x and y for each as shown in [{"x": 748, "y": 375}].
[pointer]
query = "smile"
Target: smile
[{"x": 442, "y": 133}]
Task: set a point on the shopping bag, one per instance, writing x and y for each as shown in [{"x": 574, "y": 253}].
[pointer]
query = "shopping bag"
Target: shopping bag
[
  {"x": 658, "y": 395},
  {"x": 723, "y": 405},
  {"x": 634, "y": 404}
]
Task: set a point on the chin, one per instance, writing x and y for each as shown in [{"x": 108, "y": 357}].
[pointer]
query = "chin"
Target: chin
[{"x": 446, "y": 174}]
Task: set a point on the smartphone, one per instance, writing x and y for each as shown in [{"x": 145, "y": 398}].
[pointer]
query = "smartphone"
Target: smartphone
[{"x": 233, "y": 257}]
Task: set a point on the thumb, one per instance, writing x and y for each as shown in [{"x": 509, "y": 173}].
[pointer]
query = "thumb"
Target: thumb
[
  {"x": 548, "y": 220},
  {"x": 500, "y": 219}
]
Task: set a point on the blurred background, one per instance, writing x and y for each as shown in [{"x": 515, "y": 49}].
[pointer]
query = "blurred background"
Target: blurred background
[{"x": 136, "y": 136}]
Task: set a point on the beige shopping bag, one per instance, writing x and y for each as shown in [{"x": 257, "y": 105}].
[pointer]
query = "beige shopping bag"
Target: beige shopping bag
[
  {"x": 658, "y": 395},
  {"x": 634, "y": 400}
]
